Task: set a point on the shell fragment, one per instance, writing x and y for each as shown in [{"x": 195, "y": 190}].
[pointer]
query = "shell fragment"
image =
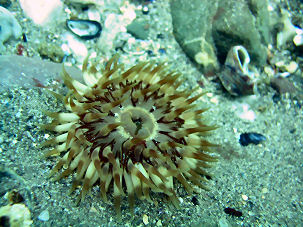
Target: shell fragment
[{"x": 84, "y": 29}]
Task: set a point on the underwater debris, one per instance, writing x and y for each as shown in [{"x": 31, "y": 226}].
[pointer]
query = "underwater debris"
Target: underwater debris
[
  {"x": 84, "y": 29},
  {"x": 251, "y": 137},
  {"x": 236, "y": 77}
]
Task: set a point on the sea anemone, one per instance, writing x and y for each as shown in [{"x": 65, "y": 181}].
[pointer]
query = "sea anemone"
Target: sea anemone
[{"x": 134, "y": 131}]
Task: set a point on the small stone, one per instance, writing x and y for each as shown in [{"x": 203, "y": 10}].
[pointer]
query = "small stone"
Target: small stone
[
  {"x": 93, "y": 210},
  {"x": 159, "y": 223},
  {"x": 145, "y": 219},
  {"x": 139, "y": 29},
  {"x": 282, "y": 85},
  {"x": 264, "y": 190},
  {"x": 51, "y": 51},
  {"x": 145, "y": 10},
  {"x": 244, "y": 197},
  {"x": 244, "y": 112},
  {"x": 214, "y": 100},
  {"x": 292, "y": 67},
  {"x": 223, "y": 222},
  {"x": 269, "y": 71},
  {"x": 44, "y": 216},
  {"x": 250, "y": 213}
]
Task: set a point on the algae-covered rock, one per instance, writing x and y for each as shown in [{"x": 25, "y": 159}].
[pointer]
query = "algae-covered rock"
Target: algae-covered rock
[
  {"x": 51, "y": 51},
  {"x": 193, "y": 28},
  {"x": 206, "y": 30}
]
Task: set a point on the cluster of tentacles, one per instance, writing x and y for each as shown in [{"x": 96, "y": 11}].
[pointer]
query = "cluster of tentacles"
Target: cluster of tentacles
[{"x": 132, "y": 130}]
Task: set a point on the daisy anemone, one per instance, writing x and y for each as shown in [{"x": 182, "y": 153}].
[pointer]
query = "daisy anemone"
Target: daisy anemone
[{"x": 131, "y": 130}]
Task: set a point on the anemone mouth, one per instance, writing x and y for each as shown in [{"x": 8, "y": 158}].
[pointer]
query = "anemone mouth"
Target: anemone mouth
[
  {"x": 133, "y": 131},
  {"x": 138, "y": 123}
]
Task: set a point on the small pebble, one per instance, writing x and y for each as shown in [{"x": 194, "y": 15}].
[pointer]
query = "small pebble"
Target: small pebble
[
  {"x": 214, "y": 100},
  {"x": 145, "y": 219},
  {"x": 93, "y": 210},
  {"x": 44, "y": 216},
  {"x": 264, "y": 190},
  {"x": 292, "y": 67},
  {"x": 145, "y": 10},
  {"x": 282, "y": 85},
  {"x": 159, "y": 223},
  {"x": 245, "y": 197},
  {"x": 223, "y": 222},
  {"x": 162, "y": 51},
  {"x": 244, "y": 112},
  {"x": 250, "y": 213},
  {"x": 195, "y": 201}
]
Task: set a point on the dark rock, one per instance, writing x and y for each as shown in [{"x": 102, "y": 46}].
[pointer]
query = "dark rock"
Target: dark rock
[
  {"x": 276, "y": 98},
  {"x": 282, "y": 85},
  {"x": 195, "y": 201},
  {"x": 4, "y": 221}
]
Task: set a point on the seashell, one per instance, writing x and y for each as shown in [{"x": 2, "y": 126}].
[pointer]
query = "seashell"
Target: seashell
[
  {"x": 84, "y": 29},
  {"x": 251, "y": 138},
  {"x": 235, "y": 76}
]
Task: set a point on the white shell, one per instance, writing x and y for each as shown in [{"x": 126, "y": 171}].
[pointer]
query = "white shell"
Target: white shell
[{"x": 85, "y": 29}]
